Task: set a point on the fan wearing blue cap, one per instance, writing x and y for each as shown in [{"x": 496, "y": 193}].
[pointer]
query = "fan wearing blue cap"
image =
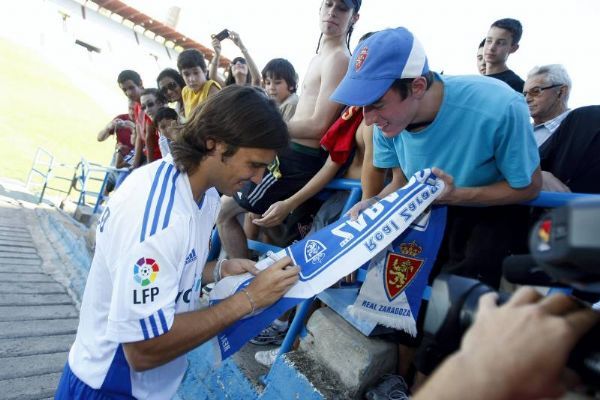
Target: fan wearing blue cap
[{"x": 474, "y": 129}]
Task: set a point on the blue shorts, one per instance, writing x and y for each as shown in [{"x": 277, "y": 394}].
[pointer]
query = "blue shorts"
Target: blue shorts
[{"x": 71, "y": 387}]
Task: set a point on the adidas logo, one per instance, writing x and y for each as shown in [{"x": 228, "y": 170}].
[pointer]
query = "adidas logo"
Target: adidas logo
[{"x": 191, "y": 257}]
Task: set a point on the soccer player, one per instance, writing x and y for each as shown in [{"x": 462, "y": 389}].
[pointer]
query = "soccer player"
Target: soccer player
[{"x": 139, "y": 313}]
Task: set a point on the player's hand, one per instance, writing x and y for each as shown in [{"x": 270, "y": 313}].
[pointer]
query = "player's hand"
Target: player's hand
[
  {"x": 274, "y": 215},
  {"x": 273, "y": 282},
  {"x": 237, "y": 266}
]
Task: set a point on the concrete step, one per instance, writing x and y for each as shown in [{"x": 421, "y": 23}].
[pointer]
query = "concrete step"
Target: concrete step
[
  {"x": 17, "y": 299},
  {"x": 10, "y": 227},
  {"x": 16, "y": 230},
  {"x": 27, "y": 313},
  {"x": 12, "y": 249},
  {"x": 30, "y": 388},
  {"x": 19, "y": 347},
  {"x": 16, "y": 255},
  {"x": 31, "y": 277},
  {"x": 21, "y": 269},
  {"x": 44, "y": 327},
  {"x": 15, "y": 235},
  {"x": 10, "y": 262},
  {"x": 17, "y": 243},
  {"x": 39, "y": 364},
  {"x": 31, "y": 287}
]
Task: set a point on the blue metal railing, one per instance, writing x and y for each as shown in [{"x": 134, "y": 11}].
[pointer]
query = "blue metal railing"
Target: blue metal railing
[{"x": 46, "y": 167}]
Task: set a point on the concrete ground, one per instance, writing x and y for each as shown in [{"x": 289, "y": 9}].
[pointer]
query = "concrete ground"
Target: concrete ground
[{"x": 38, "y": 317}]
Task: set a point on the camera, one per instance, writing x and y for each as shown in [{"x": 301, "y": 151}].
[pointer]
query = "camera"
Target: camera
[
  {"x": 565, "y": 251},
  {"x": 224, "y": 34}
]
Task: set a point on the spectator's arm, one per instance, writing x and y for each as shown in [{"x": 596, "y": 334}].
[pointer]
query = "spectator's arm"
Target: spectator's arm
[
  {"x": 213, "y": 68},
  {"x": 139, "y": 149},
  {"x": 252, "y": 68},
  {"x": 398, "y": 180},
  {"x": 551, "y": 183},
  {"x": 498, "y": 193},
  {"x": 151, "y": 142},
  {"x": 325, "y": 111},
  {"x": 277, "y": 212},
  {"x": 516, "y": 351},
  {"x": 107, "y": 130},
  {"x": 119, "y": 161}
]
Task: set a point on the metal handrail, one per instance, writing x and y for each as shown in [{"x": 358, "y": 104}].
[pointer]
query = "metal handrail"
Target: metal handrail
[
  {"x": 47, "y": 174},
  {"x": 87, "y": 170}
]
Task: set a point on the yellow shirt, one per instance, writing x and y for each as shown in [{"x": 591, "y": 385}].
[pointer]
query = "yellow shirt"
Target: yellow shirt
[{"x": 191, "y": 99}]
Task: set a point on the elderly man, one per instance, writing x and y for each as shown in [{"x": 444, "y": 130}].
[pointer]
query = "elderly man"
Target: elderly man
[{"x": 547, "y": 92}]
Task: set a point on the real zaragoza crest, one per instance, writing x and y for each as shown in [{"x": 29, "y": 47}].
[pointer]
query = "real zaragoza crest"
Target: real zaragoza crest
[{"x": 400, "y": 269}]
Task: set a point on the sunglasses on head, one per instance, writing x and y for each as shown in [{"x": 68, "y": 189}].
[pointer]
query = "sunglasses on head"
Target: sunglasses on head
[
  {"x": 169, "y": 86},
  {"x": 149, "y": 104}
]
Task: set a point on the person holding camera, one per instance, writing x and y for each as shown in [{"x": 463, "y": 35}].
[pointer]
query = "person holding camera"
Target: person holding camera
[
  {"x": 242, "y": 70},
  {"x": 515, "y": 351}
]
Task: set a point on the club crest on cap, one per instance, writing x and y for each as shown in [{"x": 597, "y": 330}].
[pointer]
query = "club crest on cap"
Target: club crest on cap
[{"x": 360, "y": 59}]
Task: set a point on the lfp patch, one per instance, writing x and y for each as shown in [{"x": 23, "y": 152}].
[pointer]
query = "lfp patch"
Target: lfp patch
[{"x": 145, "y": 271}]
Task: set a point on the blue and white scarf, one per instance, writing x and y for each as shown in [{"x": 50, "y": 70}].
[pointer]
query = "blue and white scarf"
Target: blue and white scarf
[
  {"x": 397, "y": 277},
  {"x": 328, "y": 255}
]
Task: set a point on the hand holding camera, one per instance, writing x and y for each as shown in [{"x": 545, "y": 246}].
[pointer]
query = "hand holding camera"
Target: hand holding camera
[{"x": 224, "y": 34}]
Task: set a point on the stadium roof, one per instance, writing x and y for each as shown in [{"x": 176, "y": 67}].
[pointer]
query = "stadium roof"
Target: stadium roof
[{"x": 159, "y": 29}]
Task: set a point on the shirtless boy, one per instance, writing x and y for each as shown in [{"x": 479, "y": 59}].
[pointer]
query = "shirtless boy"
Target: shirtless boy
[{"x": 315, "y": 112}]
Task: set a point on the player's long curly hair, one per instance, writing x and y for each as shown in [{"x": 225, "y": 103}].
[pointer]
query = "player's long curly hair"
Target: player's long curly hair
[{"x": 239, "y": 116}]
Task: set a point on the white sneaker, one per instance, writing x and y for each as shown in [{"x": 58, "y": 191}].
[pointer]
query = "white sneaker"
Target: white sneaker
[{"x": 266, "y": 357}]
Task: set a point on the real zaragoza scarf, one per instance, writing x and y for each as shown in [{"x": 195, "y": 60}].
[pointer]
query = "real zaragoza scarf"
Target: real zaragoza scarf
[
  {"x": 328, "y": 255},
  {"x": 397, "y": 277}
]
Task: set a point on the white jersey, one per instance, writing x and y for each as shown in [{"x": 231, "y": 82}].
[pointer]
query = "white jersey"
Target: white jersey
[{"x": 151, "y": 247}]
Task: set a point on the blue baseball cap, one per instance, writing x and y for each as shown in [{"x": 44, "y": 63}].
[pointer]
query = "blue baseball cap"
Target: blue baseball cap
[
  {"x": 353, "y": 4},
  {"x": 377, "y": 62}
]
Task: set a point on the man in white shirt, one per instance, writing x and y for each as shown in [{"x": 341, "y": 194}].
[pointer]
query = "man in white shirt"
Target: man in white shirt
[
  {"x": 139, "y": 313},
  {"x": 547, "y": 92}
]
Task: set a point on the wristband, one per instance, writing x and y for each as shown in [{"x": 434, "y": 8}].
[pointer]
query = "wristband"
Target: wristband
[
  {"x": 250, "y": 299},
  {"x": 217, "y": 270}
]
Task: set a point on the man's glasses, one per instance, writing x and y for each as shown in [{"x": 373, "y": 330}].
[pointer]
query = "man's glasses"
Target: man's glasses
[
  {"x": 536, "y": 91},
  {"x": 150, "y": 104}
]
